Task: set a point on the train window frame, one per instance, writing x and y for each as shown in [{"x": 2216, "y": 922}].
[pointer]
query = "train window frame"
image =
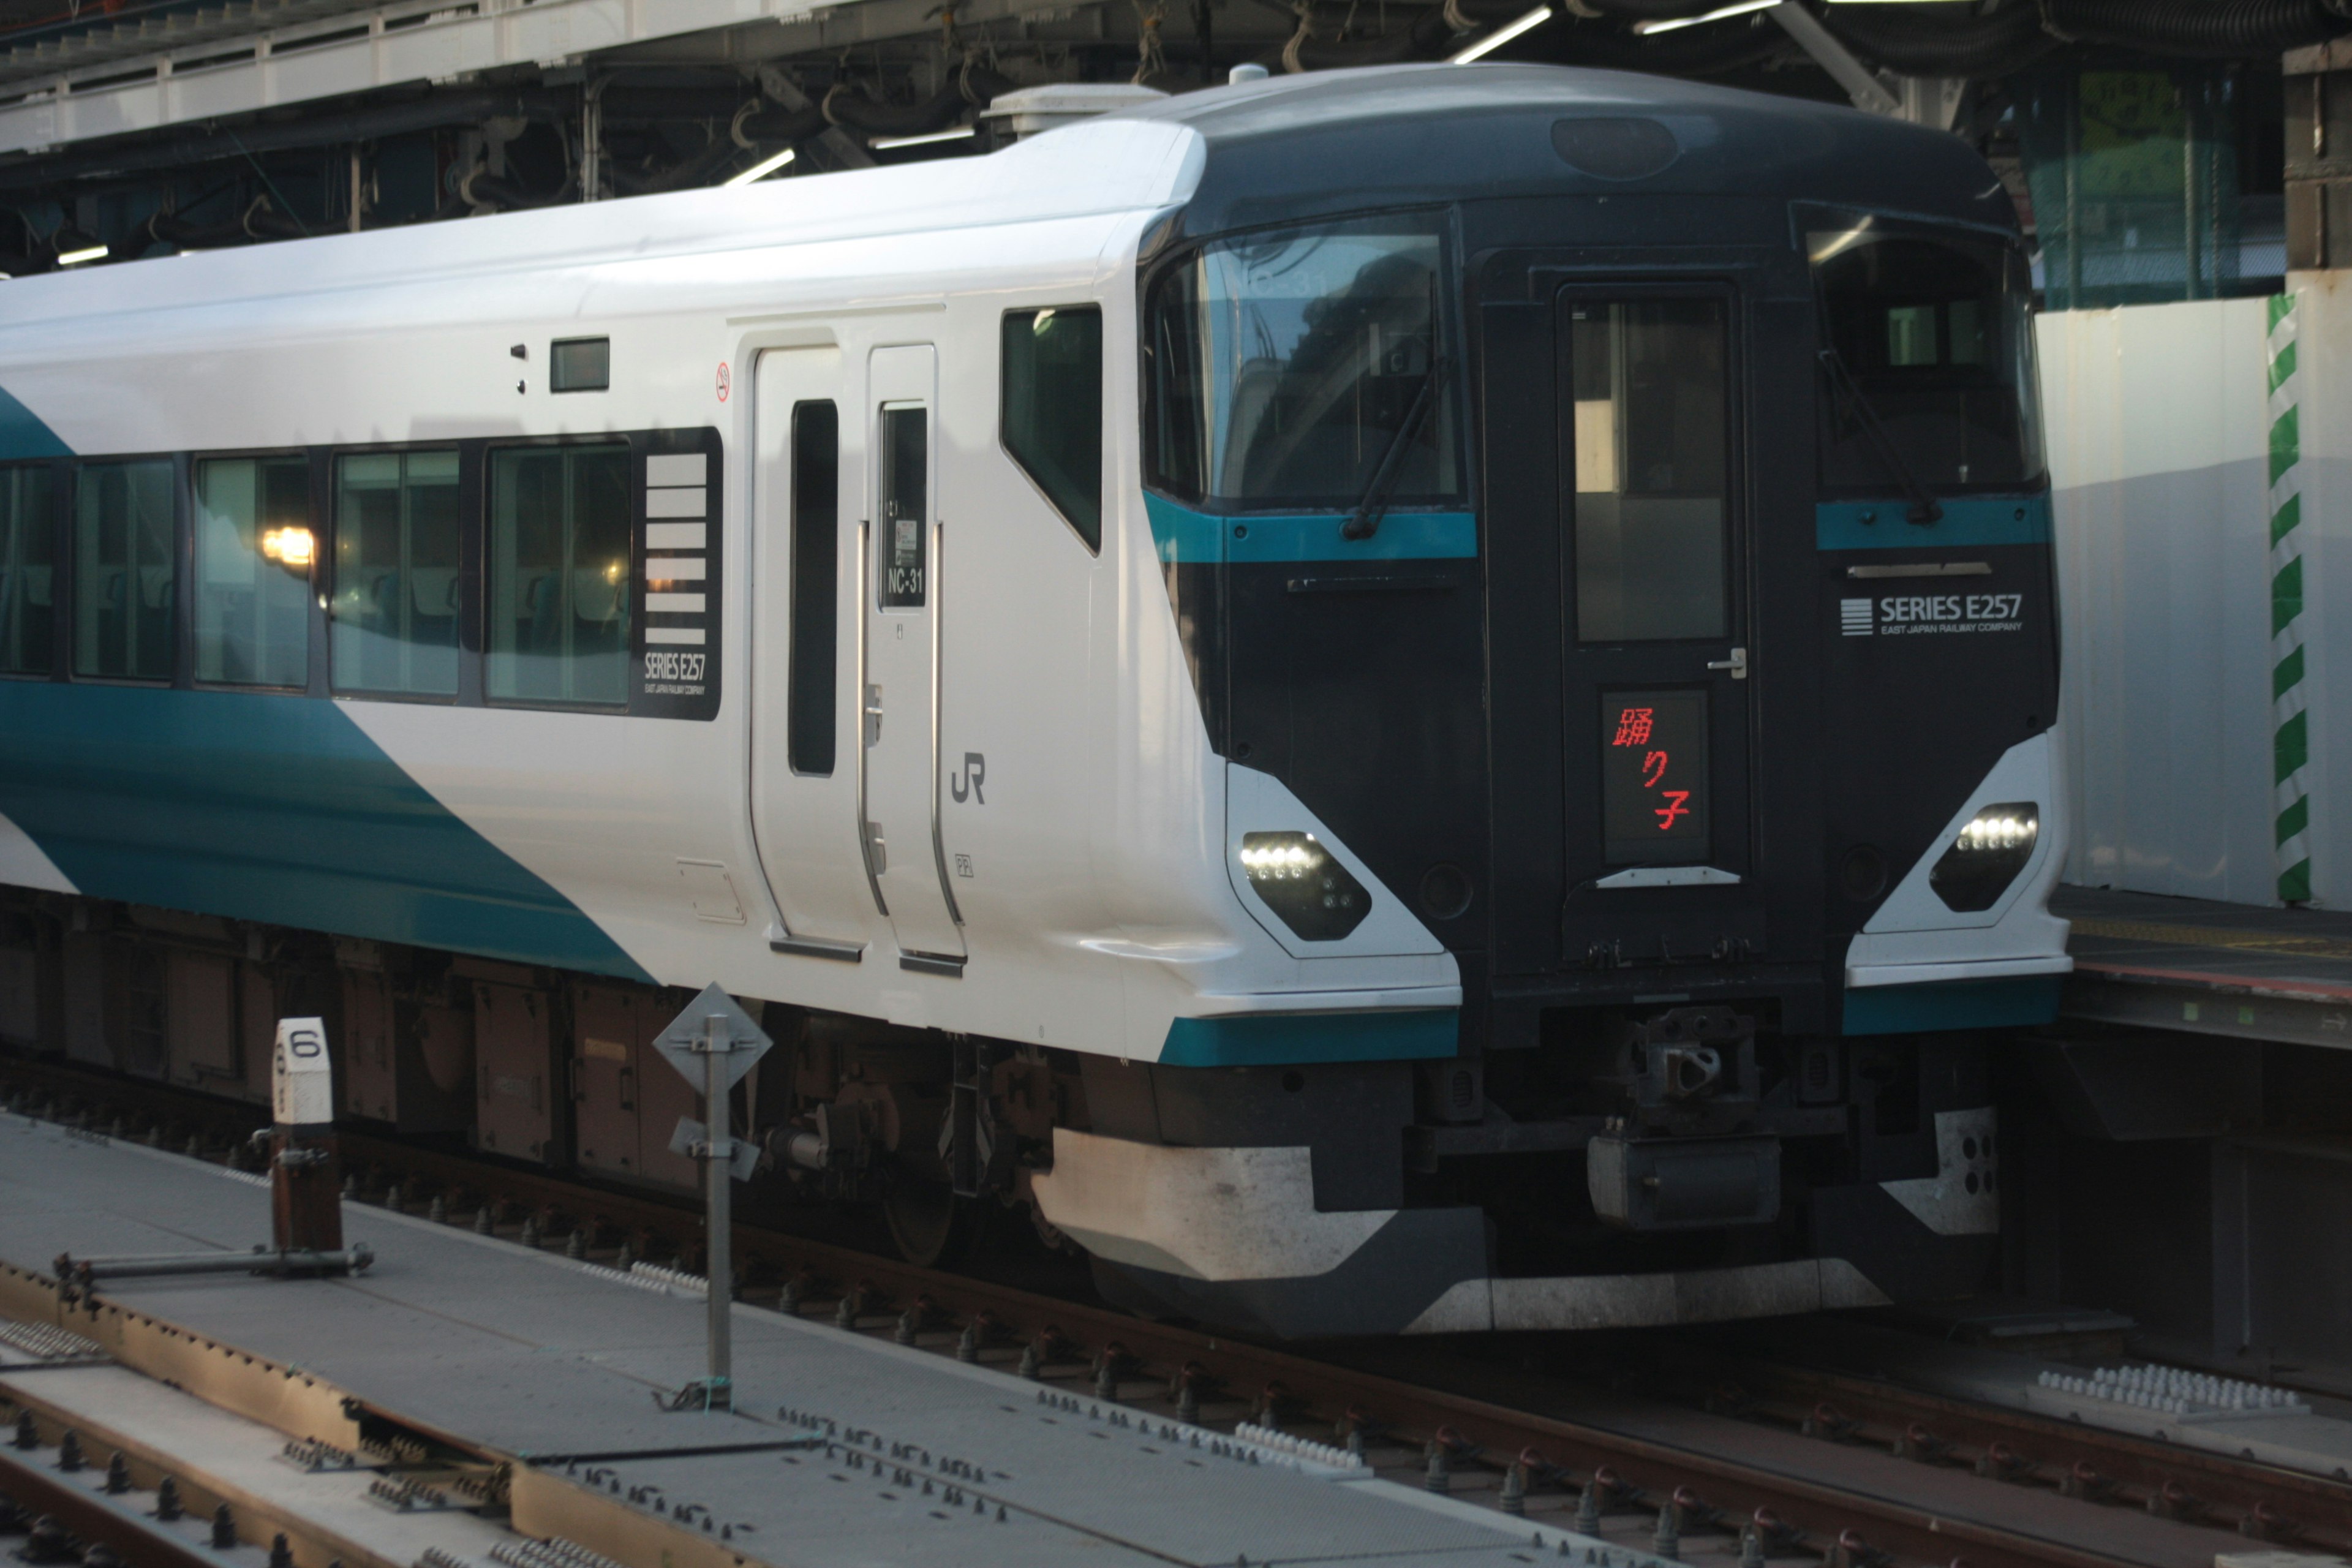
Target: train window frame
[
  {"x": 1089, "y": 528},
  {"x": 60, "y": 542},
  {"x": 1813, "y": 222},
  {"x": 1455, "y": 404},
  {"x": 77, "y": 470},
  {"x": 1733, "y": 533},
  {"x": 466, "y": 591},
  {"x": 631, "y": 585},
  {"x": 313, "y": 580}
]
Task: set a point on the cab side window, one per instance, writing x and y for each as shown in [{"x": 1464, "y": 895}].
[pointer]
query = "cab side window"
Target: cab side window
[{"x": 1053, "y": 408}]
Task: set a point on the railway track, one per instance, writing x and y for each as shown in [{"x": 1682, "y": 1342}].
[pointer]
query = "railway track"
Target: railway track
[{"x": 1789, "y": 1467}]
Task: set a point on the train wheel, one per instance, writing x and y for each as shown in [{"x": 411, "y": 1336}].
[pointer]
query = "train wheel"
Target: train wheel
[{"x": 931, "y": 1226}]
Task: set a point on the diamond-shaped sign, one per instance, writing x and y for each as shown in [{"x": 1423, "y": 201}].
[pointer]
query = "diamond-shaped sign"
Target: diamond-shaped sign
[{"x": 684, "y": 1042}]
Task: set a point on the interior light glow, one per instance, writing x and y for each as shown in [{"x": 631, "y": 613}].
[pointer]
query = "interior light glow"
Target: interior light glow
[
  {"x": 1719, "y": 15},
  {"x": 960, "y": 133},
  {"x": 76, "y": 257},
  {"x": 288, "y": 546},
  {"x": 763, "y": 168},
  {"x": 1502, "y": 35}
]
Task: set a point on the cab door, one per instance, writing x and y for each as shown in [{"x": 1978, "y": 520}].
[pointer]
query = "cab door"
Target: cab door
[
  {"x": 1631, "y": 510},
  {"x": 1655, "y": 656},
  {"x": 899, "y": 797}
]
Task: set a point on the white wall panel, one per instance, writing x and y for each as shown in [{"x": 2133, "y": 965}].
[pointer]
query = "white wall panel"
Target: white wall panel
[{"x": 2158, "y": 434}]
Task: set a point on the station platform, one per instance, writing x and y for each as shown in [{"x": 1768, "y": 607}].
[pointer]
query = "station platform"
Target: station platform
[
  {"x": 2200, "y": 967},
  {"x": 467, "y": 1403},
  {"x": 2290, "y": 1430}
]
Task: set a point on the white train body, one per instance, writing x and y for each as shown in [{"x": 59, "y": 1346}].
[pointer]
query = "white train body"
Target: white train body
[{"x": 1030, "y": 835}]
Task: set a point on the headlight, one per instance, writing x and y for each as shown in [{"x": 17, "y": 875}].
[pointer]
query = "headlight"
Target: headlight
[
  {"x": 1300, "y": 880},
  {"x": 1986, "y": 856}
]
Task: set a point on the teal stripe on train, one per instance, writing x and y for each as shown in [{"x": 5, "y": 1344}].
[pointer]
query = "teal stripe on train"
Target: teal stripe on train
[
  {"x": 1969, "y": 521},
  {"x": 273, "y": 808},
  {"x": 1188, "y": 538},
  {"x": 2014, "y": 1002},
  {"x": 1292, "y": 1040},
  {"x": 25, "y": 435}
]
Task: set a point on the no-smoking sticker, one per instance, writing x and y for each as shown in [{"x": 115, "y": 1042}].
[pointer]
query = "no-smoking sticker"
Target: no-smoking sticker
[{"x": 725, "y": 380}]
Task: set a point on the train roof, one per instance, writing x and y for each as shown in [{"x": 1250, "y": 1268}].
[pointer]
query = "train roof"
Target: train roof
[
  {"x": 1057, "y": 183},
  {"x": 1396, "y": 136}
]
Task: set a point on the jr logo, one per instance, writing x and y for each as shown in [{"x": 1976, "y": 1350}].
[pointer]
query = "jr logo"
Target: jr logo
[{"x": 975, "y": 769}]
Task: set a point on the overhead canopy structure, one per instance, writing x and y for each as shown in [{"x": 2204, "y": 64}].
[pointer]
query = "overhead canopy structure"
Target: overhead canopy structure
[{"x": 162, "y": 124}]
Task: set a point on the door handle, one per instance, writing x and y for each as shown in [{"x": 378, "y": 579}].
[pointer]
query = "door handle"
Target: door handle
[
  {"x": 1736, "y": 664},
  {"x": 873, "y": 715}
]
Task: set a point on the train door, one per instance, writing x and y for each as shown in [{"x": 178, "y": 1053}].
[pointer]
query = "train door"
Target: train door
[
  {"x": 899, "y": 706},
  {"x": 807, "y": 498},
  {"x": 1655, "y": 719},
  {"x": 1617, "y": 492}
]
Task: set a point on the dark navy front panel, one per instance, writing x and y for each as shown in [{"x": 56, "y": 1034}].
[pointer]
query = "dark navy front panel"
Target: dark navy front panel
[
  {"x": 1939, "y": 652},
  {"x": 1350, "y": 670}
]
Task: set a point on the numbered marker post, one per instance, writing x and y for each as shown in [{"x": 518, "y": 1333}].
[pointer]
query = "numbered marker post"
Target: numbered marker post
[{"x": 306, "y": 1196}]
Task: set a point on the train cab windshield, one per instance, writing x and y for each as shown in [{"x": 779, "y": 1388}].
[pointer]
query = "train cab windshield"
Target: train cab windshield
[
  {"x": 1283, "y": 368},
  {"x": 1928, "y": 342}
]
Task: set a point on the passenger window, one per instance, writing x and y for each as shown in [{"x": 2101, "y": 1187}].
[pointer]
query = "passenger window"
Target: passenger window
[
  {"x": 254, "y": 548},
  {"x": 906, "y": 479},
  {"x": 396, "y": 596},
  {"x": 28, "y": 553},
  {"x": 559, "y": 619},
  {"x": 123, "y": 587},
  {"x": 817, "y": 526},
  {"x": 1649, "y": 439},
  {"x": 1052, "y": 421}
]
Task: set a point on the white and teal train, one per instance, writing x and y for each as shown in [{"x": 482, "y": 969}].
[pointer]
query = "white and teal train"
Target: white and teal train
[{"x": 1402, "y": 700}]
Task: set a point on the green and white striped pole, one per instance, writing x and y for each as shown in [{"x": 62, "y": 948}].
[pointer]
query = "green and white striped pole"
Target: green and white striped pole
[{"x": 2290, "y": 734}]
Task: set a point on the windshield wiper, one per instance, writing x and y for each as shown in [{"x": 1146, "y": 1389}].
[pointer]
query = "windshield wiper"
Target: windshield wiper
[
  {"x": 1924, "y": 507},
  {"x": 1365, "y": 520}
]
